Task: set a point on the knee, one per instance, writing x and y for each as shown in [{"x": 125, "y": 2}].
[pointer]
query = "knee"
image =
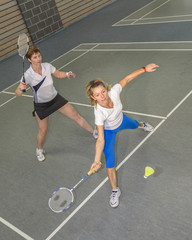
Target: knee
[
  {"x": 76, "y": 117},
  {"x": 137, "y": 124},
  {"x": 110, "y": 164},
  {"x": 42, "y": 131},
  {"x": 110, "y": 160}
]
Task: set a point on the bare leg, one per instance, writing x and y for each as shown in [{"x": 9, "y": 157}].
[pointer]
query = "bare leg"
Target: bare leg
[
  {"x": 71, "y": 113},
  {"x": 42, "y": 131},
  {"x": 111, "y": 173},
  {"x": 114, "y": 198}
]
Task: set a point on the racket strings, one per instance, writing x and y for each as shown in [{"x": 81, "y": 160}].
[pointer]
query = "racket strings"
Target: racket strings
[
  {"x": 23, "y": 44},
  {"x": 61, "y": 200}
]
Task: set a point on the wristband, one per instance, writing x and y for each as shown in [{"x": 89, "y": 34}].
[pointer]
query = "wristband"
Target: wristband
[
  {"x": 144, "y": 68},
  {"x": 98, "y": 163},
  {"x": 67, "y": 73}
]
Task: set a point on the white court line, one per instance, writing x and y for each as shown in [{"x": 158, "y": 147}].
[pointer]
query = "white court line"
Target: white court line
[
  {"x": 7, "y": 101},
  {"x": 137, "y": 50},
  {"x": 97, "y": 44},
  {"x": 135, "y": 113},
  {"x": 122, "y": 22},
  {"x": 174, "y": 109},
  {"x": 135, "y": 12},
  {"x": 77, "y": 209},
  {"x": 173, "y": 16},
  {"x": 140, "y": 144},
  {"x": 143, "y": 50},
  {"x": 86, "y": 51},
  {"x": 24, "y": 235},
  {"x": 61, "y": 56},
  {"x": 151, "y": 11},
  {"x": 27, "y": 237},
  {"x": 119, "y": 165},
  {"x": 143, "y": 114},
  {"x": 121, "y": 43},
  {"x": 87, "y": 105},
  {"x": 4, "y": 91},
  {"x": 98, "y": 187},
  {"x": 11, "y": 93},
  {"x": 162, "y": 22},
  {"x": 130, "y": 112},
  {"x": 9, "y": 86}
]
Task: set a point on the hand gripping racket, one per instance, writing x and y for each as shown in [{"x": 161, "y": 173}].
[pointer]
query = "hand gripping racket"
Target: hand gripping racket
[
  {"x": 23, "y": 46},
  {"x": 63, "y": 197}
]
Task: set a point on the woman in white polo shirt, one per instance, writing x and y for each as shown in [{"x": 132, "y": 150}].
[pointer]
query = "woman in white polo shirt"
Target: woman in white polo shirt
[
  {"x": 46, "y": 98},
  {"x": 109, "y": 120}
]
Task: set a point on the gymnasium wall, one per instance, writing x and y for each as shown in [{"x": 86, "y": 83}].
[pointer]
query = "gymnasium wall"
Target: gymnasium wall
[
  {"x": 39, "y": 19},
  {"x": 11, "y": 24}
]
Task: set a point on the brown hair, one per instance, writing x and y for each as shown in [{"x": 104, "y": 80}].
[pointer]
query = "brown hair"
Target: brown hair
[
  {"x": 32, "y": 49},
  {"x": 93, "y": 84}
]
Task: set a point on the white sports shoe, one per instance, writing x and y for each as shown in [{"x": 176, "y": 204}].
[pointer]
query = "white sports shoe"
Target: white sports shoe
[
  {"x": 114, "y": 198},
  {"x": 40, "y": 153},
  {"x": 147, "y": 127},
  {"x": 95, "y": 133}
]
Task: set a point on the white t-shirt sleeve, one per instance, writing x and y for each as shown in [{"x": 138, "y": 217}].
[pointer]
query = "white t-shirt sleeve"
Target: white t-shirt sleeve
[
  {"x": 117, "y": 88},
  {"x": 52, "y": 68},
  {"x": 99, "y": 117}
]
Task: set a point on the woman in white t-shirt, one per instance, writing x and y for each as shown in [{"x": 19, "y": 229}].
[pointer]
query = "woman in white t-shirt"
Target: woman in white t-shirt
[
  {"x": 109, "y": 120},
  {"x": 46, "y": 98}
]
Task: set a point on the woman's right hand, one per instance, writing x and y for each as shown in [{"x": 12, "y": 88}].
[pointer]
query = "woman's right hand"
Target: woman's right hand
[
  {"x": 22, "y": 86},
  {"x": 95, "y": 167}
]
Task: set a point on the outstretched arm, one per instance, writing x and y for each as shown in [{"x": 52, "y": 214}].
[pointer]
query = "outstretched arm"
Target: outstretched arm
[
  {"x": 60, "y": 74},
  {"x": 99, "y": 146},
  {"x": 149, "y": 68}
]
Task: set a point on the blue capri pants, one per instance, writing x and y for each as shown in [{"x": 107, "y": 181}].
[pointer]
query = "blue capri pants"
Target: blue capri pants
[{"x": 110, "y": 137}]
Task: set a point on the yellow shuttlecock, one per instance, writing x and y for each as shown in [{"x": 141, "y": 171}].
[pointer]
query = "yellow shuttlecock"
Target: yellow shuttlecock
[{"x": 148, "y": 172}]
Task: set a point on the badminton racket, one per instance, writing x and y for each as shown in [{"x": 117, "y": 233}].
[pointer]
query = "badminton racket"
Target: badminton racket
[
  {"x": 23, "y": 46},
  {"x": 63, "y": 197}
]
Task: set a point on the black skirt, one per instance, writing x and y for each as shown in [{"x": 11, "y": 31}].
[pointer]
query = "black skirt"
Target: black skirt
[{"x": 43, "y": 110}]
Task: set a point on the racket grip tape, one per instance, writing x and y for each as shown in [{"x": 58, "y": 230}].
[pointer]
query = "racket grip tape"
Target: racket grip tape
[
  {"x": 91, "y": 171},
  {"x": 24, "y": 90}
]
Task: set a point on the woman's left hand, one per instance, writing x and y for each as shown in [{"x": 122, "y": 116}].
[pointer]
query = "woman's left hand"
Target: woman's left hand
[
  {"x": 151, "y": 67},
  {"x": 70, "y": 74}
]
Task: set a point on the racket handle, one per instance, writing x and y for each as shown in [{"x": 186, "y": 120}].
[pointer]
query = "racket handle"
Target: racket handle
[
  {"x": 91, "y": 171},
  {"x": 23, "y": 81}
]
